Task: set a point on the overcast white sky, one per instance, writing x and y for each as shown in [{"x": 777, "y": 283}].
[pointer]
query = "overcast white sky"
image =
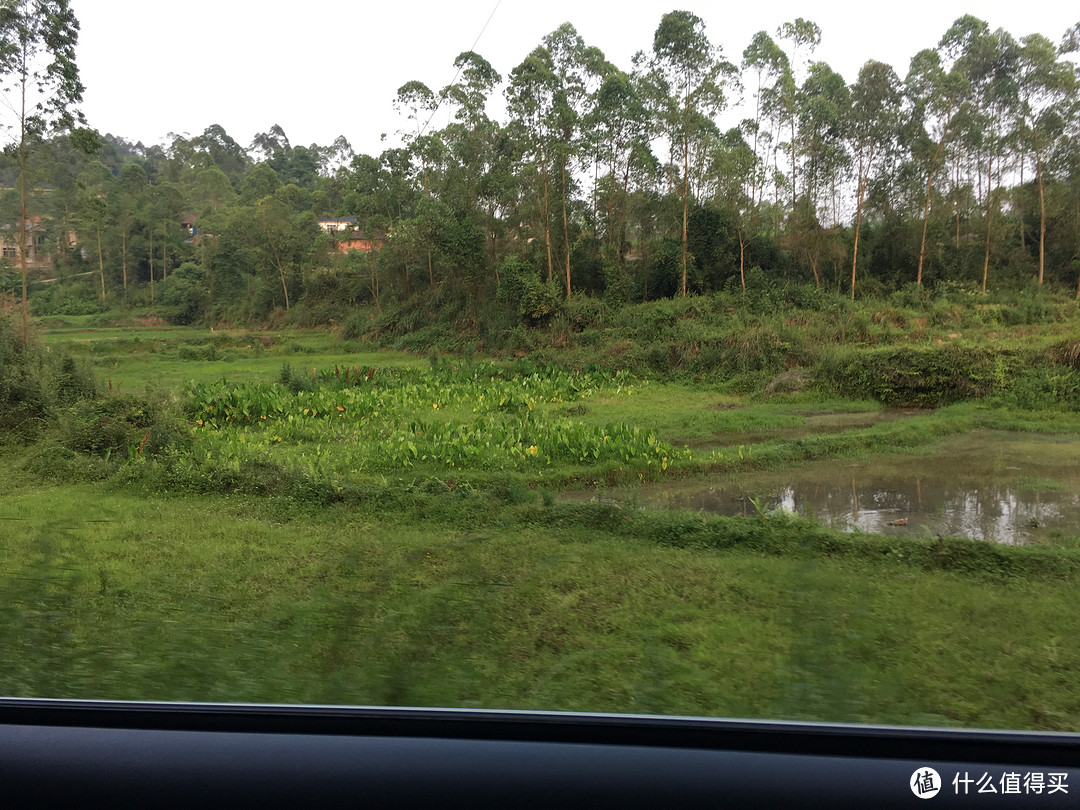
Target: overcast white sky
[{"x": 323, "y": 69}]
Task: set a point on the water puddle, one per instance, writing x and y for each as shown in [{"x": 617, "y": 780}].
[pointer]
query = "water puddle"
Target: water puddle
[{"x": 986, "y": 485}]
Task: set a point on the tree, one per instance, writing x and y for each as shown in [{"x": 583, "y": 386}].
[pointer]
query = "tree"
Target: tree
[
  {"x": 988, "y": 61},
  {"x": 531, "y": 97},
  {"x": 1044, "y": 84},
  {"x": 618, "y": 120},
  {"x": 936, "y": 97},
  {"x": 769, "y": 64},
  {"x": 875, "y": 108},
  {"x": 482, "y": 177},
  {"x": 800, "y": 33},
  {"x": 573, "y": 67},
  {"x": 689, "y": 77},
  {"x": 37, "y": 66}
]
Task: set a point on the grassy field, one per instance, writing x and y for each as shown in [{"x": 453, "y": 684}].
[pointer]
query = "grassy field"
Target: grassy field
[{"x": 388, "y": 534}]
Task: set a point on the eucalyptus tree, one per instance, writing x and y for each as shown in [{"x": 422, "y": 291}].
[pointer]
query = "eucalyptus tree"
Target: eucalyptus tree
[
  {"x": 802, "y": 34},
  {"x": 334, "y": 157},
  {"x": 619, "y": 120},
  {"x": 936, "y": 96},
  {"x": 419, "y": 104},
  {"x": 260, "y": 182},
  {"x": 127, "y": 196},
  {"x": 265, "y": 145},
  {"x": 576, "y": 70},
  {"x": 732, "y": 161},
  {"x": 92, "y": 212},
  {"x": 872, "y": 128},
  {"x": 689, "y": 75},
  {"x": 530, "y": 98},
  {"x": 825, "y": 102},
  {"x": 40, "y": 78},
  {"x": 1045, "y": 84},
  {"x": 768, "y": 64},
  {"x": 211, "y": 187},
  {"x": 989, "y": 61},
  {"x": 473, "y": 140},
  {"x": 284, "y": 241},
  {"x": 227, "y": 154}
]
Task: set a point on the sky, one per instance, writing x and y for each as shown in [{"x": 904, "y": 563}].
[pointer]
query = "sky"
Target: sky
[{"x": 320, "y": 69}]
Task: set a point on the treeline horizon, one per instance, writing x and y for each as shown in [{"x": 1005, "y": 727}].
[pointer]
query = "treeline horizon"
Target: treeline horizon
[{"x": 615, "y": 182}]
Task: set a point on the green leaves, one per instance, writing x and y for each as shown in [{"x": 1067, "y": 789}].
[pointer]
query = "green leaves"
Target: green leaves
[{"x": 401, "y": 418}]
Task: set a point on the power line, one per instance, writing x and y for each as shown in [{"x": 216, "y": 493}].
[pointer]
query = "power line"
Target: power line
[{"x": 452, "y": 81}]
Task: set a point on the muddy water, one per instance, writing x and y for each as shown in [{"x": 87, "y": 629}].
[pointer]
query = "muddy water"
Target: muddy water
[{"x": 986, "y": 485}]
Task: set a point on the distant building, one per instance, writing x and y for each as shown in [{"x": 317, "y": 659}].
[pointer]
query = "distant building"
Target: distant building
[
  {"x": 355, "y": 241},
  {"x": 38, "y": 255},
  {"x": 335, "y": 224},
  {"x": 347, "y": 237}
]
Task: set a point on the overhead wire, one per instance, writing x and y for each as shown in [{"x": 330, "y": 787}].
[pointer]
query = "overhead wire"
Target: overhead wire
[{"x": 476, "y": 42}]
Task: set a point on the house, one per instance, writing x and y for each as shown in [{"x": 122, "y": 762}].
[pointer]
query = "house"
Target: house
[
  {"x": 38, "y": 255},
  {"x": 347, "y": 237},
  {"x": 354, "y": 240},
  {"x": 335, "y": 224}
]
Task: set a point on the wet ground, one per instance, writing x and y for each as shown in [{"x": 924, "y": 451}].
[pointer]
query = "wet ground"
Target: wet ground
[
  {"x": 814, "y": 423},
  {"x": 986, "y": 485}
]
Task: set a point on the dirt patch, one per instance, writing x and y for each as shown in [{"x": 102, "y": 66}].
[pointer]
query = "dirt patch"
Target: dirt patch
[
  {"x": 724, "y": 406},
  {"x": 151, "y": 321}
]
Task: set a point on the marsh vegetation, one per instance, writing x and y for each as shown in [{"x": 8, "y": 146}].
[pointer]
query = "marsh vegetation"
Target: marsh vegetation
[{"x": 291, "y": 517}]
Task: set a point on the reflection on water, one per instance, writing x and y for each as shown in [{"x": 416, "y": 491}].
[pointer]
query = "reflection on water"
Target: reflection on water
[{"x": 985, "y": 485}]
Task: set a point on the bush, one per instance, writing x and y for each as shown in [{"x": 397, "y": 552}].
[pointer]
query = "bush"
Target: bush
[
  {"x": 113, "y": 428},
  {"x": 24, "y": 399},
  {"x": 535, "y": 300},
  {"x": 184, "y": 294}
]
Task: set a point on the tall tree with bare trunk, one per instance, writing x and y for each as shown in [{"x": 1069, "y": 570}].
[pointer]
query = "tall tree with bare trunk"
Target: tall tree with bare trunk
[{"x": 40, "y": 84}]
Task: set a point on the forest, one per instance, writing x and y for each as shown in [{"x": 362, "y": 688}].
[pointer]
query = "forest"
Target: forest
[{"x": 617, "y": 184}]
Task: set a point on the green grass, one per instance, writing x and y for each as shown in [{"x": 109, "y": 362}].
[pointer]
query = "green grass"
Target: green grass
[
  {"x": 338, "y": 565},
  {"x": 109, "y": 594},
  {"x": 129, "y": 359}
]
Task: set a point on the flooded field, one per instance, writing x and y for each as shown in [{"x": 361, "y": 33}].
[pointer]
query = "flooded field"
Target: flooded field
[{"x": 986, "y": 485}]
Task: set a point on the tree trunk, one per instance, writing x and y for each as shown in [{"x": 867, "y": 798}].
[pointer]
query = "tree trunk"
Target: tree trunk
[
  {"x": 151, "y": 265},
  {"x": 101, "y": 265},
  {"x": 1042, "y": 216},
  {"x": 123, "y": 258},
  {"x": 566, "y": 228},
  {"x": 164, "y": 251},
  {"x": 1020, "y": 198},
  {"x": 858, "y": 224},
  {"x": 864, "y": 179},
  {"x": 926, "y": 207},
  {"x": 742, "y": 256},
  {"x": 685, "y": 205},
  {"x": 22, "y": 203},
  {"x": 22, "y": 241},
  {"x": 546, "y": 212},
  {"x": 989, "y": 196},
  {"x": 792, "y": 162}
]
